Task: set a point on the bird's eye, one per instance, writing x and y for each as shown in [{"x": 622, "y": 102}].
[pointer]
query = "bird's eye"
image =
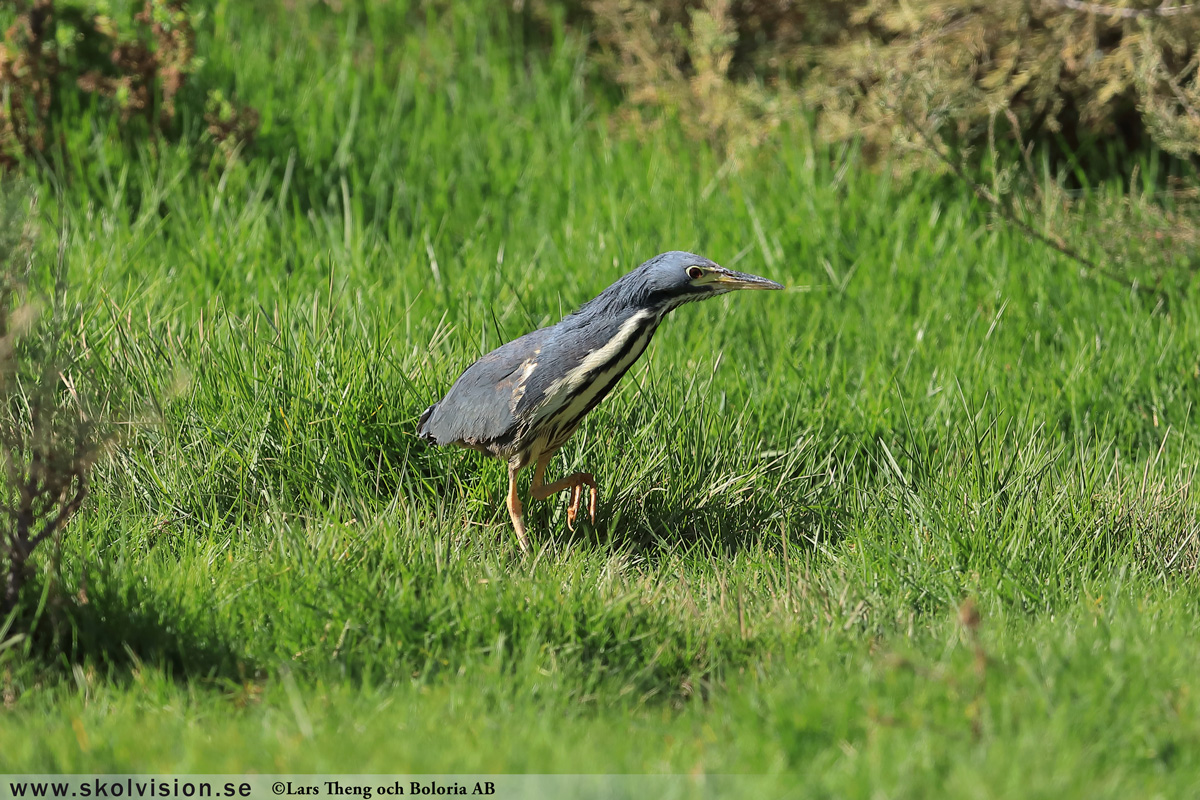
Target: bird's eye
[{"x": 695, "y": 273}]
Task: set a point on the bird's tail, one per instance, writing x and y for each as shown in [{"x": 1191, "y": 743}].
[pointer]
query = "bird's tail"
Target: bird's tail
[{"x": 423, "y": 431}]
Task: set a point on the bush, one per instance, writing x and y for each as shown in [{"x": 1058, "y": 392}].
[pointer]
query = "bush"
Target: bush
[
  {"x": 135, "y": 68},
  {"x": 50, "y": 434},
  {"x": 1082, "y": 70}
]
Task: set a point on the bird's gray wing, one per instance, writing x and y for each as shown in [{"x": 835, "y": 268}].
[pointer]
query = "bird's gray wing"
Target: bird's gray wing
[
  {"x": 497, "y": 398},
  {"x": 480, "y": 408}
]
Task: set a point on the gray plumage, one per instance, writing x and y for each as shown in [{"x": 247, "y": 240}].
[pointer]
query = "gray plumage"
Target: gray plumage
[{"x": 479, "y": 411}]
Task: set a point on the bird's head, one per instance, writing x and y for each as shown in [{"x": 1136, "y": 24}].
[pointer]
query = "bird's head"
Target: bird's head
[{"x": 674, "y": 278}]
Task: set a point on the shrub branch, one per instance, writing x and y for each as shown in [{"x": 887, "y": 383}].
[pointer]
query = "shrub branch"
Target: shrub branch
[
  {"x": 49, "y": 439},
  {"x": 1009, "y": 214},
  {"x": 1125, "y": 13}
]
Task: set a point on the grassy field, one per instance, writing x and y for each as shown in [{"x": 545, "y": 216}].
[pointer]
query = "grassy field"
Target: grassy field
[{"x": 920, "y": 525}]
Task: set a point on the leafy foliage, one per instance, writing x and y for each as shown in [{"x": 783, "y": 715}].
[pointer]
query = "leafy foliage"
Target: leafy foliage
[
  {"x": 1080, "y": 69},
  {"x": 138, "y": 68}
]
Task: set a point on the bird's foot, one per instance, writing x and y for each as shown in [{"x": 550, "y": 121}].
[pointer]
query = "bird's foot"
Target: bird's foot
[
  {"x": 522, "y": 539},
  {"x": 580, "y": 479}
]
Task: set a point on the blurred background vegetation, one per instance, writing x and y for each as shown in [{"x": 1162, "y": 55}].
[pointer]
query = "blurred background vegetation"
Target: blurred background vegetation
[{"x": 1031, "y": 102}]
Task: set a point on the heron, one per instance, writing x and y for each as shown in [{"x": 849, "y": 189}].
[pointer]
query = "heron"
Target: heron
[{"x": 522, "y": 401}]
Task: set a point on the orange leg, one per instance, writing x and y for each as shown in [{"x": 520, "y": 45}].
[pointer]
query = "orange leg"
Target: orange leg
[
  {"x": 514, "y": 509},
  {"x": 575, "y": 483}
]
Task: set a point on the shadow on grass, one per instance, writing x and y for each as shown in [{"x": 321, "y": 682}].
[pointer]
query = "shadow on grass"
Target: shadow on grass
[
  {"x": 659, "y": 525},
  {"x": 119, "y": 629}
]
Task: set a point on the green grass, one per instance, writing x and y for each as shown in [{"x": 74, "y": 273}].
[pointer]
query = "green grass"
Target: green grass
[{"x": 798, "y": 490}]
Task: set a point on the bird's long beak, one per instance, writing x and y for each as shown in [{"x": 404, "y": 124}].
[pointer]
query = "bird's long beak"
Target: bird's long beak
[{"x": 729, "y": 279}]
